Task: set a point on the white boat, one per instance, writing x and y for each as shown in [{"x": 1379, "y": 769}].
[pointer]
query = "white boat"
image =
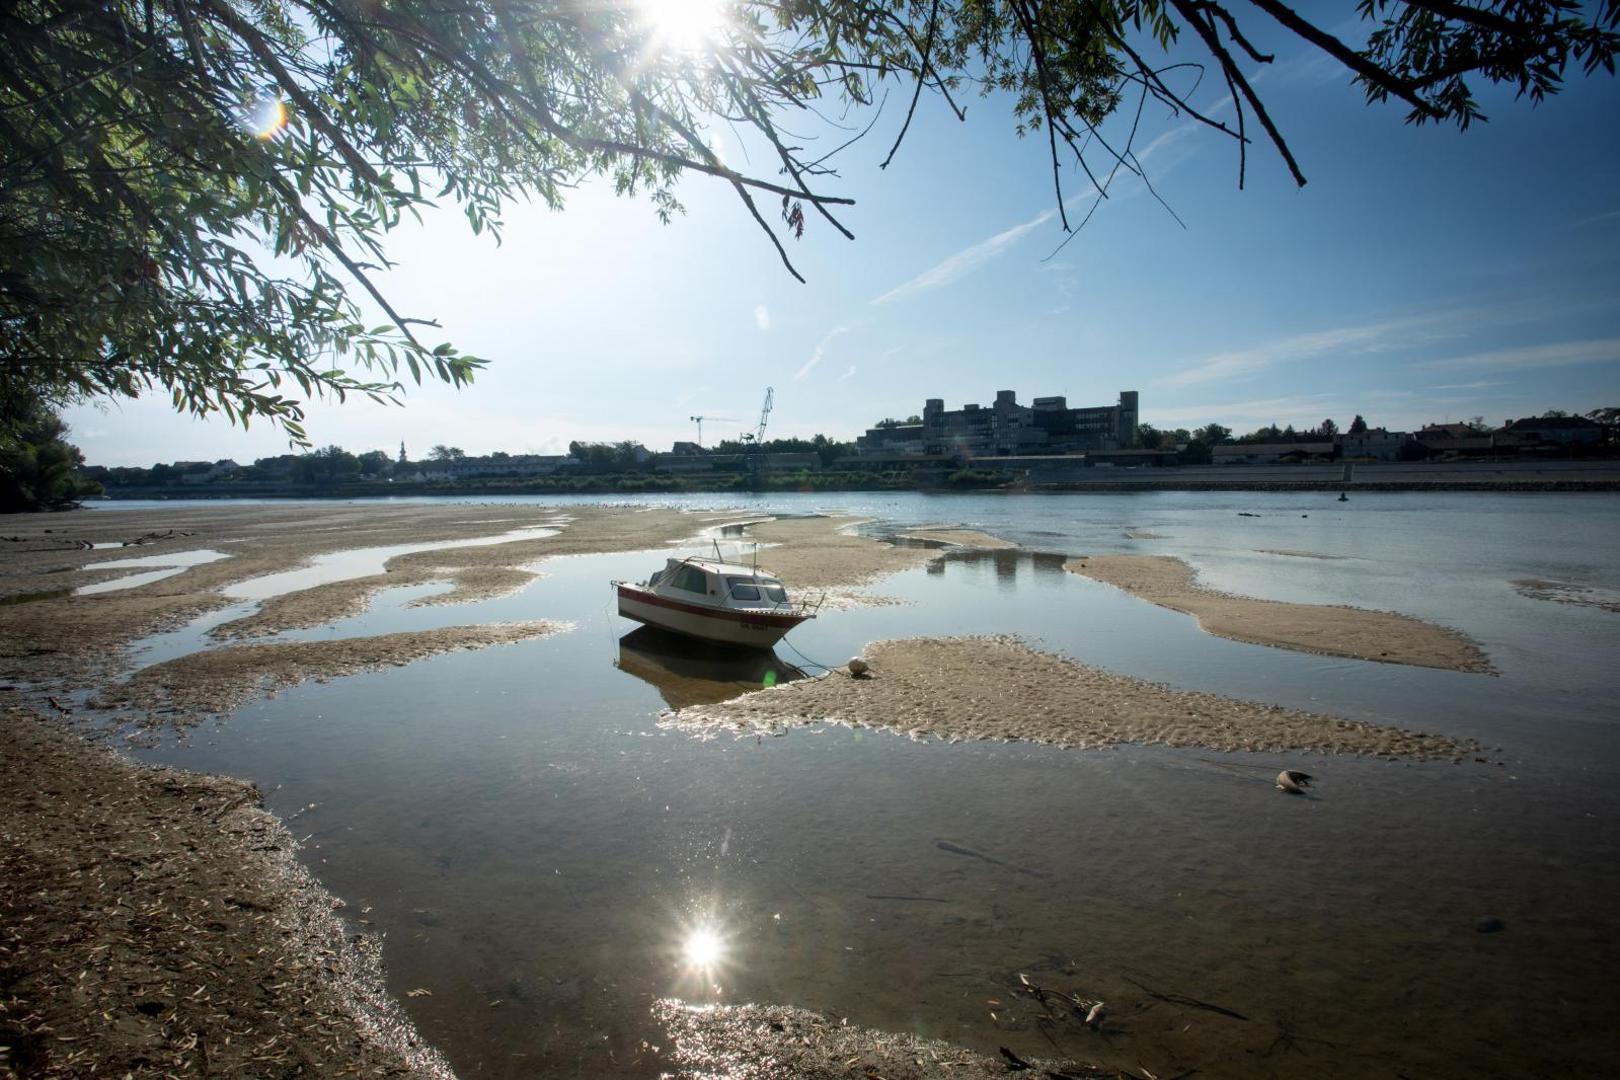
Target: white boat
[{"x": 714, "y": 601}]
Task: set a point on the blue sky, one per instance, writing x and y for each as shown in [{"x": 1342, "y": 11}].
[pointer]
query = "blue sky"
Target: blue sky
[{"x": 1422, "y": 275}]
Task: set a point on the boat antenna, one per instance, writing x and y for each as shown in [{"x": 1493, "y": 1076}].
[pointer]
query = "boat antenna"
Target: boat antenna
[
  {"x": 719, "y": 558},
  {"x": 756, "y": 558}
]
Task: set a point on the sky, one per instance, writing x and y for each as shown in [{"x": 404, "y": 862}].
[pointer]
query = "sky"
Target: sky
[{"x": 1422, "y": 275}]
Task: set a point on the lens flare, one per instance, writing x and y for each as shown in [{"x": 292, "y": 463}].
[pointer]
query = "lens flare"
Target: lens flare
[
  {"x": 703, "y": 949},
  {"x": 684, "y": 25},
  {"x": 269, "y": 119}
]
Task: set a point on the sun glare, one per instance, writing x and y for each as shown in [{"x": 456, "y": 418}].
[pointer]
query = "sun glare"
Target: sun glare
[
  {"x": 703, "y": 949},
  {"x": 269, "y": 118},
  {"x": 684, "y": 25}
]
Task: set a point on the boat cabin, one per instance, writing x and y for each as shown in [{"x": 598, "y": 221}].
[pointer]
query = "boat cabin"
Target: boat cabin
[{"x": 702, "y": 581}]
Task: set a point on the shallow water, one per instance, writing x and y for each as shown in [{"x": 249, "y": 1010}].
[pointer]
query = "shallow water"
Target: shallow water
[
  {"x": 352, "y": 563},
  {"x": 537, "y": 849},
  {"x": 168, "y": 565}
]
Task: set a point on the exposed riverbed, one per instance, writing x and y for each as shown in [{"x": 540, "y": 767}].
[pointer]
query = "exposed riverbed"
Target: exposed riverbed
[{"x": 540, "y": 851}]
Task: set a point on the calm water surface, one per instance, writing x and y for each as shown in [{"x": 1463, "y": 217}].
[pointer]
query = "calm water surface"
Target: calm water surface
[{"x": 538, "y": 851}]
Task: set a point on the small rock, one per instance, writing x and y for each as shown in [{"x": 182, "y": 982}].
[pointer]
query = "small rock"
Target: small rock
[
  {"x": 857, "y": 667},
  {"x": 1491, "y": 925}
]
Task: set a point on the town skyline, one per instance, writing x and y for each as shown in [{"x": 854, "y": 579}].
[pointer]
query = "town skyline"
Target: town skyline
[{"x": 1422, "y": 274}]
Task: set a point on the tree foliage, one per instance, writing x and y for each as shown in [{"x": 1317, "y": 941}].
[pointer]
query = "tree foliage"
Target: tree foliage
[
  {"x": 194, "y": 194},
  {"x": 38, "y": 467}
]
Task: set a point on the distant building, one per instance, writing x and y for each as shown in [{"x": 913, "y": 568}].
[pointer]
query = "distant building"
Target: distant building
[
  {"x": 1006, "y": 428},
  {"x": 769, "y": 462},
  {"x": 512, "y": 465},
  {"x": 1561, "y": 430},
  {"x": 1268, "y": 453},
  {"x": 1445, "y": 431},
  {"x": 685, "y": 448},
  {"x": 1374, "y": 444}
]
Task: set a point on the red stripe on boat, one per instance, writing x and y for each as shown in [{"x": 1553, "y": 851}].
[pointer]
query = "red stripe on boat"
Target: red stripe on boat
[{"x": 746, "y": 618}]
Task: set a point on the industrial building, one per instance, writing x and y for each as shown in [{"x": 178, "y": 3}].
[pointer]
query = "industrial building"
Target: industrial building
[{"x": 1006, "y": 429}]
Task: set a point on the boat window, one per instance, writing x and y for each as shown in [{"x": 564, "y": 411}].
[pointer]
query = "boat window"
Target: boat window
[
  {"x": 690, "y": 579},
  {"x": 773, "y": 590},
  {"x": 742, "y": 588}
]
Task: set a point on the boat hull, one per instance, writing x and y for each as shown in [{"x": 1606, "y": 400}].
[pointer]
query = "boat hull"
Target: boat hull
[{"x": 729, "y": 626}]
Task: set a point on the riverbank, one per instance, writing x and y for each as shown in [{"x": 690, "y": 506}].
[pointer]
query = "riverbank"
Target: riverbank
[
  {"x": 158, "y": 922},
  {"x": 1000, "y": 688},
  {"x": 1328, "y": 630}
]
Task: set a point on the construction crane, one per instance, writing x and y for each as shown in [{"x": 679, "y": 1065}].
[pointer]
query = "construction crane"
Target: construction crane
[
  {"x": 755, "y": 441},
  {"x": 698, "y": 420},
  {"x": 758, "y": 436}
]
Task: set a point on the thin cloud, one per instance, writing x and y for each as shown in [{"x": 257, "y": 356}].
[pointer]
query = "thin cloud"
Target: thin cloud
[
  {"x": 1483, "y": 384},
  {"x": 966, "y": 261},
  {"x": 818, "y": 353},
  {"x": 849, "y": 374},
  {"x": 1530, "y": 357},
  {"x": 1595, "y": 218},
  {"x": 762, "y": 317},
  {"x": 1373, "y": 337}
]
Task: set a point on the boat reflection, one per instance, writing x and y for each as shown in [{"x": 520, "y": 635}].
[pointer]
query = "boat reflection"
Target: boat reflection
[{"x": 688, "y": 672}]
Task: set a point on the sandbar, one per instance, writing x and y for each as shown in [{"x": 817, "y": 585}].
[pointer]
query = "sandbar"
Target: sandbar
[
  {"x": 779, "y": 1041},
  {"x": 157, "y": 922},
  {"x": 218, "y": 680},
  {"x": 1328, "y": 630},
  {"x": 1569, "y": 592},
  {"x": 77, "y": 640},
  {"x": 821, "y": 553},
  {"x": 1001, "y": 688},
  {"x": 962, "y": 538}
]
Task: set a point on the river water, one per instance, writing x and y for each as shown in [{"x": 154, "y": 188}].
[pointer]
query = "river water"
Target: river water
[{"x": 542, "y": 855}]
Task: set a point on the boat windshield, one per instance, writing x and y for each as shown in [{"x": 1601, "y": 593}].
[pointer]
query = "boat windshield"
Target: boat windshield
[{"x": 750, "y": 588}]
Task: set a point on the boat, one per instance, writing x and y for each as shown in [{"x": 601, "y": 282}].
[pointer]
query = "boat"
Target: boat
[{"x": 711, "y": 600}]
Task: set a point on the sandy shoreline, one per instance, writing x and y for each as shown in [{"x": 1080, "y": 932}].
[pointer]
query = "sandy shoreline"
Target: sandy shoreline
[
  {"x": 158, "y": 922},
  {"x": 219, "y": 680},
  {"x": 73, "y": 825},
  {"x": 1314, "y": 628},
  {"x": 1000, "y": 688}
]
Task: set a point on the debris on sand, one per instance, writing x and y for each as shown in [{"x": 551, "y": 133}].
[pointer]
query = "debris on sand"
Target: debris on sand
[
  {"x": 155, "y": 922},
  {"x": 999, "y": 688},
  {"x": 776, "y": 1041}
]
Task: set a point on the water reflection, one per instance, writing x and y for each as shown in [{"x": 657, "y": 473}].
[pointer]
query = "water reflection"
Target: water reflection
[
  {"x": 168, "y": 565},
  {"x": 687, "y": 672}
]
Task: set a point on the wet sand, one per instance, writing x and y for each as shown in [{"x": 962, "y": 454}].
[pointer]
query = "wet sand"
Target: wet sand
[
  {"x": 157, "y": 922},
  {"x": 1327, "y": 630},
  {"x": 1568, "y": 592},
  {"x": 774, "y": 1041},
  {"x": 1000, "y": 688},
  {"x": 77, "y": 640},
  {"x": 218, "y": 680},
  {"x": 822, "y": 553},
  {"x": 963, "y": 538}
]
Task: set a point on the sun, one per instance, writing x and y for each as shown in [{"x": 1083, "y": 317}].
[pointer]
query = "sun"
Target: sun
[
  {"x": 684, "y": 25},
  {"x": 704, "y": 949}
]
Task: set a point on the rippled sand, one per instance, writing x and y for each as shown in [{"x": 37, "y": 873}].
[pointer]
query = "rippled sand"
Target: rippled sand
[
  {"x": 219, "y": 680},
  {"x": 1325, "y": 629},
  {"x": 1000, "y": 688}
]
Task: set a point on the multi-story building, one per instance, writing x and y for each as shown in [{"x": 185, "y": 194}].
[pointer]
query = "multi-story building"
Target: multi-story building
[{"x": 1006, "y": 428}]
